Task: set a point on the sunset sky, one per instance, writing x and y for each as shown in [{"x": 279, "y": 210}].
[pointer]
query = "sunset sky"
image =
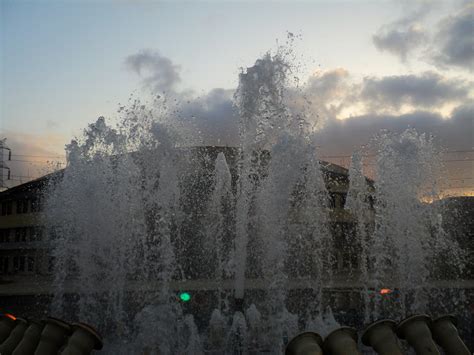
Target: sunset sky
[{"x": 366, "y": 65}]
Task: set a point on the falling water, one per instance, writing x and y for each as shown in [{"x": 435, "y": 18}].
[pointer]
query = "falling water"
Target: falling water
[
  {"x": 358, "y": 203},
  {"x": 139, "y": 216},
  {"x": 219, "y": 231}
]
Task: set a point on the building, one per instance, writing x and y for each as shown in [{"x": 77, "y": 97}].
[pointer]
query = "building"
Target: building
[{"x": 26, "y": 262}]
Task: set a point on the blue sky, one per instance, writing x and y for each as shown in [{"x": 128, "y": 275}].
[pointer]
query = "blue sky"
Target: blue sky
[{"x": 63, "y": 62}]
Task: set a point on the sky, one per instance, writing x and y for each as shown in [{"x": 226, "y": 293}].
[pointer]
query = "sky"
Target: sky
[{"x": 366, "y": 65}]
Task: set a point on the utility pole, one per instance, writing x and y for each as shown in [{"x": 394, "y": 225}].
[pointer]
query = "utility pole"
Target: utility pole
[{"x": 3, "y": 165}]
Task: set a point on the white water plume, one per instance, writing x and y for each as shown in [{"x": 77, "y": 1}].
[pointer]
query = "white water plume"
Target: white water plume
[{"x": 142, "y": 214}]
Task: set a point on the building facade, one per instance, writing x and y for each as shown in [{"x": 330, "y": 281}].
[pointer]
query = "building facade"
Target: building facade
[
  {"x": 26, "y": 261},
  {"x": 25, "y": 258}
]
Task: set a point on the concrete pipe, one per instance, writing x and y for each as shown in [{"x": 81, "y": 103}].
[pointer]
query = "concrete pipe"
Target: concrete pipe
[
  {"x": 53, "y": 336},
  {"x": 307, "y": 343},
  {"x": 83, "y": 340},
  {"x": 381, "y": 336},
  {"x": 446, "y": 335},
  {"x": 30, "y": 339},
  {"x": 7, "y": 323},
  {"x": 15, "y": 337},
  {"x": 342, "y": 341},
  {"x": 416, "y": 331}
]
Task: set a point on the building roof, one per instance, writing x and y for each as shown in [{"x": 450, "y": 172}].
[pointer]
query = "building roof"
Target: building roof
[{"x": 33, "y": 186}]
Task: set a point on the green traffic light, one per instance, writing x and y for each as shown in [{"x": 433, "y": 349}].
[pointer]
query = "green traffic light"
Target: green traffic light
[{"x": 184, "y": 296}]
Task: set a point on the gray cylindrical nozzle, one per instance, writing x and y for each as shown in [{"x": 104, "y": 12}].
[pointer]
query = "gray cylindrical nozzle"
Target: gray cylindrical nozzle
[
  {"x": 342, "y": 341},
  {"x": 30, "y": 339},
  {"x": 381, "y": 336},
  {"x": 15, "y": 337},
  {"x": 446, "y": 335},
  {"x": 416, "y": 331},
  {"x": 53, "y": 336},
  {"x": 83, "y": 340},
  {"x": 307, "y": 343},
  {"x": 7, "y": 323}
]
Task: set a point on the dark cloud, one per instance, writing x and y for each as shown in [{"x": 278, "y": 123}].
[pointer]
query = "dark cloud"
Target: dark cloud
[
  {"x": 213, "y": 119},
  {"x": 454, "y": 42},
  {"x": 207, "y": 119},
  {"x": 345, "y": 136},
  {"x": 325, "y": 94},
  {"x": 450, "y": 45},
  {"x": 427, "y": 90},
  {"x": 399, "y": 41},
  {"x": 329, "y": 84},
  {"x": 406, "y": 34},
  {"x": 213, "y": 115},
  {"x": 158, "y": 72},
  {"x": 329, "y": 92}
]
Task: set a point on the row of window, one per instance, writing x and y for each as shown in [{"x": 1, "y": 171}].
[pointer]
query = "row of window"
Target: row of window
[
  {"x": 22, "y": 234},
  {"x": 22, "y": 264},
  {"x": 21, "y": 206},
  {"x": 14, "y": 264},
  {"x": 336, "y": 200}
]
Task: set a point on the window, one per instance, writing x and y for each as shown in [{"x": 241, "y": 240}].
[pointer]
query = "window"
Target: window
[
  {"x": 342, "y": 200},
  {"x": 7, "y": 208},
  {"x": 53, "y": 234},
  {"x": 31, "y": 264},
  {"x": 36, "y": 234},
  {"x": 22, "y": 206},
  {"x": 22, "y": 263},
  {"x": 51, "y": 264},
  {"x": 20, "y": 235},
  {"x": 337, "y": 200},
  {"x": 4, "y": 264},
  {"x": 4, "y": 235},
  {"x": 36, "y": 204},
  {"x": 350, "y": 258},
  {"x": 22, "y": 266},
  {"x": 332, "y": 200}
]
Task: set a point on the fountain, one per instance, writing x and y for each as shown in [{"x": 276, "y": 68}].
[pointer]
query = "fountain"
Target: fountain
[{"x": 140, "y": 216}]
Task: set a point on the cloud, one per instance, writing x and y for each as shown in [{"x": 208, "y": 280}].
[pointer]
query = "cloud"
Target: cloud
[
  {"x": 403, "y": 36},
  {"x": 337, "y": 94},
  {"x": 451, "y": 44},
  {"x": 158, "y": 72},
  {"x": 454, "y": 42},
  {"x": 207, "y": 119},
  {"x": 345, "y": 136},
  {"x": 399, "y": 41},
  {"x": 328, "y": 85},
  {"x": 329, "y": 91},
  {"x": 213, "y": 115},
  {"x": 365, "y": 107},
  {"x": 325, "y": 95},
  {"x": 426, "y": 90},
  {"x": 455, "y": 133}
]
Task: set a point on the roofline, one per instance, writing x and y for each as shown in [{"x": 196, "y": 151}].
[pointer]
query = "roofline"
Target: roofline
[{"x": 31, "y": 183}]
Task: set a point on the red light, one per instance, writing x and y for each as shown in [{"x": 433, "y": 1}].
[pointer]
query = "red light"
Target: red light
[
  {"x": 11, "y": 316},
  {"x": 385, "y": 291}
]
